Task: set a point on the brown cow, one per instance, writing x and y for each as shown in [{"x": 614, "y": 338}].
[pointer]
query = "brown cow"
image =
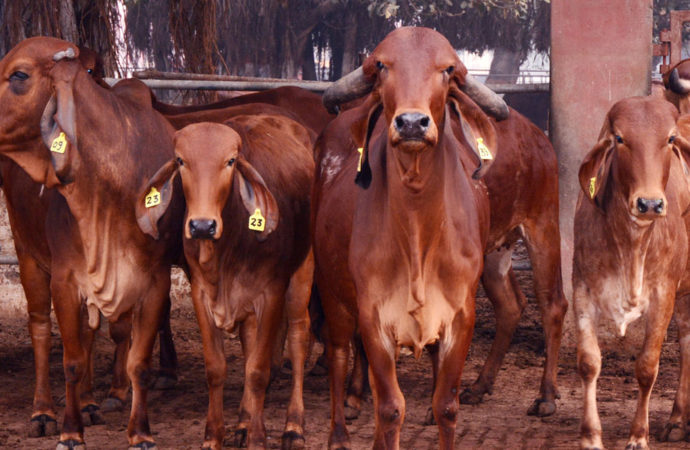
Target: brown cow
[
  {"x": 677, "y": 84},
  {"x": 98, "y": 254},
  {"x": 398, "y": 256},
  {"x": 27, "y": 204},
  {"x": 246, "y": 187},
  {"x": 631, "y": 246}
]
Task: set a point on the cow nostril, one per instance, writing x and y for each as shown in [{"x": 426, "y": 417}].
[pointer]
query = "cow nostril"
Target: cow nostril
[
  {"x": 642, "y": 205},
  {"x": 212, "y": 228},
  {"x": 399, "y": 122},
  {"x": 424, "y": 122},
  {"x": 192, "y": 226},
  {"x": 658, "y": 206}
]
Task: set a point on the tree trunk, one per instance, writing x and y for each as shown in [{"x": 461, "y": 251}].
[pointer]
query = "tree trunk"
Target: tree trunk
[
  {"x": 68, "y": 22},
  {"x": 350, "y": 52},
  {"x": 505, "y": 66}
]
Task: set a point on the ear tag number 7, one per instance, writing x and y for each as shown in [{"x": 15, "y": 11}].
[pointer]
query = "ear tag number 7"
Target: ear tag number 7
[
  {"x": 257, "y": 221},
  {"x": 59, "y": 144},
  {"x": 359, "y": 162},
  {"x": 153, "y": 198}
]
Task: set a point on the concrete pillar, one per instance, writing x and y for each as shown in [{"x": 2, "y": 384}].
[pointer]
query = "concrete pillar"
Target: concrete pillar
[{"x": 601, "y": 52}]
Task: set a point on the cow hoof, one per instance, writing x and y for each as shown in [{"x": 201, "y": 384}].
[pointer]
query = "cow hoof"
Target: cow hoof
[
  {"x": 467, "y": 397},
  {"x": 91, "y": 415},
  {"x": 42, "y": 425},
  {"x": 164, "y": 382},
  {"x": 636, "y": 446},
  {"x": 112, "y": 404},
  {"x": 144, "y": 445},
  {"x": 542, "y": 408},
  {"x": 240, "y": 438},
  {"x": 351, "y": 413},
  {"x": 292, "y": 440},
  {"x": 672, "y": 432},
  {"x": 429, "y": 419},
  {"x": 70, "y": 444}
]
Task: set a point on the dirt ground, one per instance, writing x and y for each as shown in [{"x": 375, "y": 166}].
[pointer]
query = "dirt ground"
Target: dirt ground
[{"x": 177, "y": 416}]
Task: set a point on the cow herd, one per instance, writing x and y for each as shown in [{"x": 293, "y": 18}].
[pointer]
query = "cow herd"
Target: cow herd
[{"x": 383, "y": 206}]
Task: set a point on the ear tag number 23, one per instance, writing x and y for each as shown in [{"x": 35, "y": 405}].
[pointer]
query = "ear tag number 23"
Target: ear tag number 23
[
  {"x": 257, "y": 221},
  {"x": 153, "y": 198}
]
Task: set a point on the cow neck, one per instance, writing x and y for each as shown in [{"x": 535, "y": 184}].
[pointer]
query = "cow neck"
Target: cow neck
[
  {"x": 418, "y": 214},
  {"x": 632, "y": 243},
  {"x": 32, "y": 156},
  {"x": 102, "y": 196}
]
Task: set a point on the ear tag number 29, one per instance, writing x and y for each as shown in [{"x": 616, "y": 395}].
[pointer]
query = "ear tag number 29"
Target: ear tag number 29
[
  {"x": 153, "y": 198},
  {"x": 257, "y": 221},
  {"x": 59, "y": 144}
]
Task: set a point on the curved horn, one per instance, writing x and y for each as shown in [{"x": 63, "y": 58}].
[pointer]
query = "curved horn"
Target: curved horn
[
  {"x": 678, "y": 84},
  {"x": 488, "y": 100},
  {"x": 352, "y": 86},
  {"x": 68, "y": 53}
]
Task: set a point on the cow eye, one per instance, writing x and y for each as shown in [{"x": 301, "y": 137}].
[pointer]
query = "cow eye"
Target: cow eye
[
  {"x": 619, "y": 139},
  {"x": 179, "y": 161},
  {"x": 671, "y": 139},
  {"x": 450, "y": 70},
  {"x": 89, "y": 71},
  {"x": 380, "y": 65},
  {"x": 18, "y": 76},
  {"x": 231, "y": 161}
]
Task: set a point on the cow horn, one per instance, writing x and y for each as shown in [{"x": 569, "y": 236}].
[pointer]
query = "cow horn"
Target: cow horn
[
  {"x": 68, "y": 53},
  {"x": 678, "y": 84},
  {"x": 352, "y": 86},
  {"x": 488, "y": 100}
]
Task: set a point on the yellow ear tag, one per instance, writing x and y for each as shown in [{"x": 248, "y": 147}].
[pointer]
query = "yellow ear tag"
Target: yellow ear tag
[
  {"x": 257, "y": 221},
  {"x": 484, "y": 152},
  {"x": 59, "y": 144},
  {"x": 592, "y": 186},
  {"x": 153, "y": 198},
  {"x": 359, "y": 163}
]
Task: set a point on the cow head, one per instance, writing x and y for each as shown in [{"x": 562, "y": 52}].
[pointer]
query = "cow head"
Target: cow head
[
  {"x": 413, "y": 75},
  {"x": 633, "y": 156},
  {"x": 25, "y": 89},
  {"x": 677, "y": 84},
  {"x": 208, "y": 158}
]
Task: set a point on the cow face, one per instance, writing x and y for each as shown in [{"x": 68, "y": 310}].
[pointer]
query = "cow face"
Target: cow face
[
  {"x": 632, "y": 158},
  {"x": 208, "y": 158}
]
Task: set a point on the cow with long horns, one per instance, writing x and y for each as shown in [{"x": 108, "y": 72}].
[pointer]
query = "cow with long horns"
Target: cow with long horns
[{"x": 399, "y": 251}]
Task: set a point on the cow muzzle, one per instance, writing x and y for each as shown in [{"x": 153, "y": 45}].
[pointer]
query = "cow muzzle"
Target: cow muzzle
[
  {"x": 202, "y": 228},
  {"x": 648, "y": 208},
  {"x": 413, "y": 131}
]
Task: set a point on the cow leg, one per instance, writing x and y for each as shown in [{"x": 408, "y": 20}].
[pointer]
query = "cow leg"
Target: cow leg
[
  {"x": 451, "y": 360},
  {"x": 359, "y": 380},
  {"x": 120, "y": 333},
  {"x": 68, "y": 312},
  {"x": 297, "y": 311},
  {"x": 248, "y": 340},
  {"x": 678, "y": 426},
  {"x": 36, "y": 283},
  {"x": 544, "y": 247},
  {"x": 216, "y": 366},
  {"x": 508, "y": 302},
  {"x": 258, "y": 366},
  {"x": 589, "y": 367},
  {"x": 647, "y": 368},
  {"x": 90, "y": 411},
  {"x": 167, "y": 372},
  {"x": 145, "y": 323},
  {"x": 433, "y": 350},
  {"x": 389, "y": 403}
]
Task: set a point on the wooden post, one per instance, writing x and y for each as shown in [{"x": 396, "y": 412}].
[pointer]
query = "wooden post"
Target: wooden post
[{"x": 601, "y": 52}]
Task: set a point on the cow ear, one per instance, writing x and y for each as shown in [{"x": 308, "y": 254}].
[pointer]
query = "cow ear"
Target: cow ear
[
  {"x": 681, "y": 145},
  {"x": 361, "y": 132},
  {"x": 58, "y": 122},
  {"x": 596, "y": 167},
  {"x": 257, "y": 199},
  {"x": 477, "y": 129},
  {"x": 154, "y": 199}
]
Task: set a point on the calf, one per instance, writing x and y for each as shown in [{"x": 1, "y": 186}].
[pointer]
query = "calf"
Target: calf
[
  {"x": 631, "y": 245},
  {"x": 247, "y": 244}
]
